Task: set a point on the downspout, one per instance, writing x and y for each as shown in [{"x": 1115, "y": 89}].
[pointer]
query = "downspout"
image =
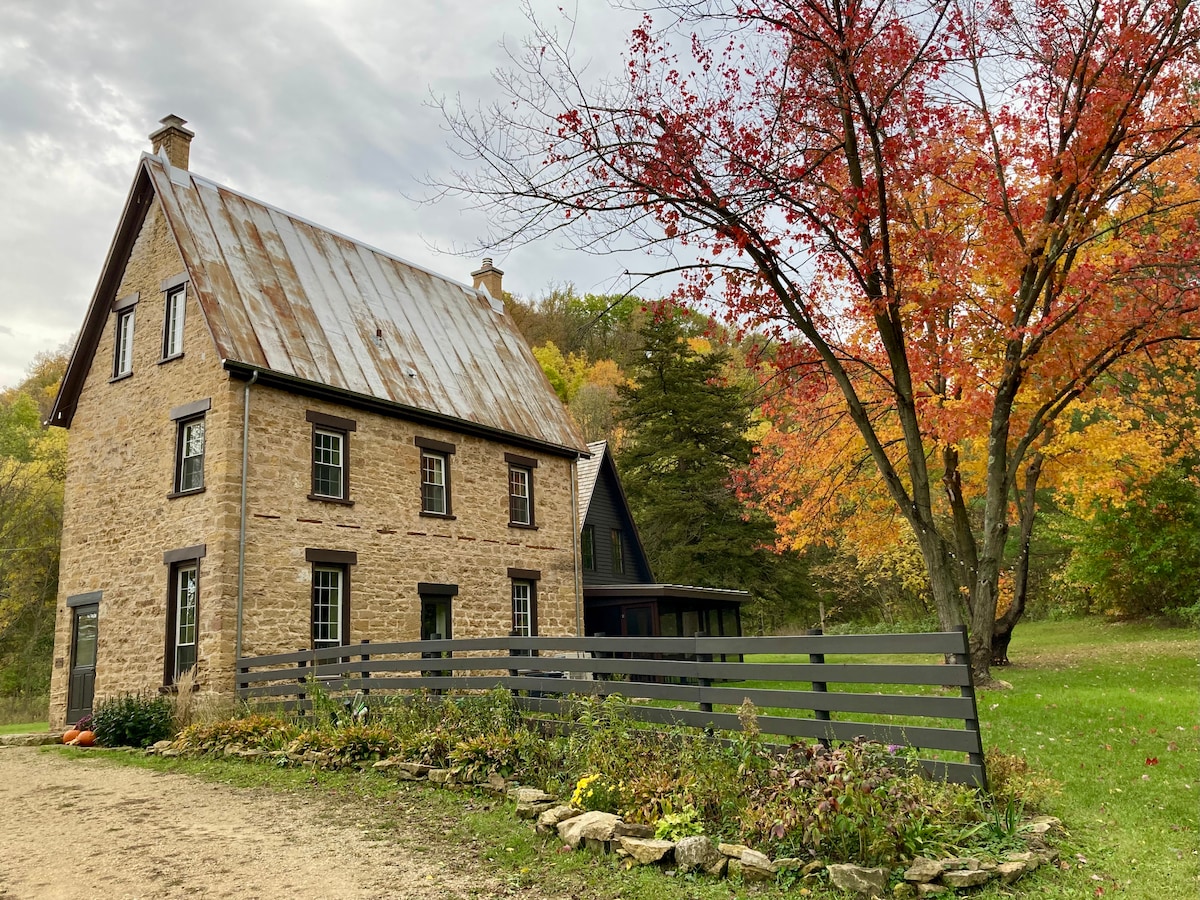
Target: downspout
[
  {"x": 577, "y": 566},
  {"x": 241, "y": 581}
]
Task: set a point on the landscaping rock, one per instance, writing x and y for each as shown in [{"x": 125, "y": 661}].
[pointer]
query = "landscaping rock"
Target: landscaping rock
[
  {"x": 959, "y": 863},
  {"x": 1009, "y": 872},
  {"x": 30, "y": 740},
  {"x": 733, "y": 851},
  {"x": 1042, "y": 824},
  {"x": 697, "y": 852},
  {"x": 924, "y": 870},
  {"x": 533, "y": 810},
  {"x": 932, "y": 889},
  {"x": 966, "y": 878},
  {"x": 160, "y": 746},
  {"x": 598, "y": 826},
  {"x": 597, "y": 846},
  {"x": 632, "y": 829},
  {"x": 815, "y": 866},
  {"x": 861, "y": 880},
  {"x": 530, "y": 795},
  {"x": 722, "y": 867},
  {"x": 786, "y": 863},
  {"x": 757, "y": 866},
  {"x": 904, "y": 890},
  {"x": 549, "y": 819},
  {"x": 496, "y": 783},
  {"x": 646, "y": 851},
  {"x": 420, "y": 770},
  {"x": 441, "y": 776},
  {"x": 1028, "y": 857}
]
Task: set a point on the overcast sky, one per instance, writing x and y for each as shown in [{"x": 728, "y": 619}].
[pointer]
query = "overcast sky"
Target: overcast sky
[{"x": 319, "y": 107}]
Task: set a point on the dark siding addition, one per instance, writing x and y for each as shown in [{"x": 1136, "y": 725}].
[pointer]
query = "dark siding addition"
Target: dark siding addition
[{"x": 607, "y": 511}]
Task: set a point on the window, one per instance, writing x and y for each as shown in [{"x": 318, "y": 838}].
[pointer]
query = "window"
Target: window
[
  {"x": 327, "y": 594},
  {"x": 437, "y": 602},
  {"x": 123, "y": 350},
  {"x": 189, "y": 446},
  {"x": 618, "y": 558},
  {"x": 524, "y": 603},
  {"x": 587, "y": 548},
  {"x": 330, "y": 457},
  {"x": 435, "y": 477},
  {"x": 330, "y": 611},
  {"x": 183, "y": 611},
  {"x": 520, "y": 490},
  {"x": 173, "y": 323},
  {"x": 189, "y": 456}
]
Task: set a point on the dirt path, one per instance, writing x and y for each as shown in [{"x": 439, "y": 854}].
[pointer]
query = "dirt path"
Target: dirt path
[{"x": 74, "y": 829}]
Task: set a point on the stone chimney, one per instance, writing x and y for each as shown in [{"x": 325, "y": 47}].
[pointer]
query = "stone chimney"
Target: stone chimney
[
  {"x": 488, "y": 277},
  {"x": 173, "y": 138}
]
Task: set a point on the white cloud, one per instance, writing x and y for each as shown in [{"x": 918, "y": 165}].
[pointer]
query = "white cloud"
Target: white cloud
[{"x": 318, "y": 107}]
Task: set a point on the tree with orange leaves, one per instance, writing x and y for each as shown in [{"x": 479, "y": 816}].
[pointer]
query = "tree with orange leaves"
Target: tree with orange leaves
[{"x": 957, "y": 215}]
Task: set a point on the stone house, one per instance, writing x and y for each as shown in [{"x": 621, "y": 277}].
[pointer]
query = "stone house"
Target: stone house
[{"x": 282, "y": 438}]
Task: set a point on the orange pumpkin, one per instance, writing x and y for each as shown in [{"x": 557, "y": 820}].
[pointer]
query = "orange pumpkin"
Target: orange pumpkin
[
  {"x": 85, "y": 739},
  {"x": 70, "y": 735}
]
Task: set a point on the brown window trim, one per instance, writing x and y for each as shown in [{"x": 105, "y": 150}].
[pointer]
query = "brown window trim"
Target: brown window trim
[
  {"x": 127, "y": 302},
  {"x": 336, "y": 423},
  {"x": 530, "y": 577},
  {"x": 184, "y": 554},
  {"x": 169, "y": 284},
  {"x": 433, "y": 589},
  {"x": 182, "y": 420},
  {"x": 331, "y": 557},
  {"x": 87, "y": 599},
  {"x": 176, "y": 561},
  {"x": 191, "y": 410},
  {"x": 525, "y": 462},
  {"x": 175, "y": 495},
  {"x": 525, "y": 574},
  {"x": 438, "y": 446}
]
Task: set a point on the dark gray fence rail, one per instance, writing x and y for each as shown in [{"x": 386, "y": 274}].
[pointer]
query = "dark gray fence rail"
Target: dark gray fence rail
[{"x": 702, "y": 678}]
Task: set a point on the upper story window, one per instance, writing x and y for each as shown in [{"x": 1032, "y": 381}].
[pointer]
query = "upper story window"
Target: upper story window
[
  {"x": 173, "y": 323},
  {"x": 520, "y": 490},
  {"x": 189, "y": 446},
  {"x": 435, "y": 476},
  {"x": 618, "y": 558},
  {"x": 330, "y": 457},
  {"x": 123, "y": 337},
  {"x": 587, "y": 548}
]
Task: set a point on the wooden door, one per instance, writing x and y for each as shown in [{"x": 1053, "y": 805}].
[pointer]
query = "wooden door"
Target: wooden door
[{"x": 82, "y": 685}]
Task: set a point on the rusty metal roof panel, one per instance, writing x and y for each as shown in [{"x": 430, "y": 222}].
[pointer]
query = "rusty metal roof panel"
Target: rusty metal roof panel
[{"x": 281, "y": 293}]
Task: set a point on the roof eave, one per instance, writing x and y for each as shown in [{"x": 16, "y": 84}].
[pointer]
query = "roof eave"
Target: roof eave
[{"x": 393, "y": 409}]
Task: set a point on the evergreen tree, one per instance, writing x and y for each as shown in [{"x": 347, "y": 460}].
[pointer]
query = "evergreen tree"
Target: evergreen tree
[{"x": 688, "y": 426}]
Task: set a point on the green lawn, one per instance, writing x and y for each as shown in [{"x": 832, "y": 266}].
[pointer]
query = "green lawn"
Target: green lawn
[{"x": 24, "y": 727}]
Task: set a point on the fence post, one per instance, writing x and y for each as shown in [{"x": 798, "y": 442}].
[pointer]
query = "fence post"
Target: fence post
[
  {"x": 513, "y": 673},
  {"x": 366, "y": 673},
  {"x": 301, "y": 694},
  {"x": 704, "y": 682},
  {"x": 819, "y": 687},
  {"x": 976, "y": 757}
]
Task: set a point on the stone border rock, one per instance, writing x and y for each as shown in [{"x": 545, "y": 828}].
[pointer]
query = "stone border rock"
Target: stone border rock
[{"x": 636, "y": 845}]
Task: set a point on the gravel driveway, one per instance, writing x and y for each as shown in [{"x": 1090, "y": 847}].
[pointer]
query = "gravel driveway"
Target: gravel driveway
[{"x": 82, "y": 828}]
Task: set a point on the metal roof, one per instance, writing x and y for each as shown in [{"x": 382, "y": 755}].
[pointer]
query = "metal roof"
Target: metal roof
[
  {"x": 589, "y": 471},
  {"x": 286, "y": 296}
]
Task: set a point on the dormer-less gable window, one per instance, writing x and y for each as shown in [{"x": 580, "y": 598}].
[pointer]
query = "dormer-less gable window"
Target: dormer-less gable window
[
  {"x": 175, "y": 290},
  {"x": 123, "y": 337}
]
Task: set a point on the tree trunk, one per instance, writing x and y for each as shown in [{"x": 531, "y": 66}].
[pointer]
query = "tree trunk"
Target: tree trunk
[{"x": 1026, "y": 508}]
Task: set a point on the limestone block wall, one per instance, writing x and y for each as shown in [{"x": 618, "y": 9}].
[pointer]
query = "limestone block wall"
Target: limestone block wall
[
  {"x": 118, "y": 520},
  {"x": 396, "y": 546}
]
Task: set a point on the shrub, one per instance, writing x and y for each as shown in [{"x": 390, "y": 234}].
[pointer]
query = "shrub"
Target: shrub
[
  {"x": 262, "y": 732},
  {"x": 674, "y": 826},
  {"x": 477, "y": 757},
  {"x": 133, "y": 721},
  {"x": 1014, "y": 783},
  {"x": 597, "y": 792}
]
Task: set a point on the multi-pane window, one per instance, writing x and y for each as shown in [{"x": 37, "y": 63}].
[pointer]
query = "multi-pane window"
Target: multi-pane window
[
  {"x": 123, "y": 345},
  {"x": 520, "y": 496},
  {"x": 330, "y": 456},
  {"x": 329, "y": 474},
  {"x": 327, "y": 595},
  {"x": 618, "y": 558},
  {"x": 173, "y": 323},
  {"x": 522, "y": 608},
  {"x": 186, "y": 604},
  {"x": 433, "y": 483},
  {"x": 587, "y": 548},
  {"x": 189, "y": 461}
]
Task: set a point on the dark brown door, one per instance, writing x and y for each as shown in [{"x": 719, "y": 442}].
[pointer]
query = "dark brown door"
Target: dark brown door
[
  {"x": 638, "y": 621},
  {"x": 83, "y": 662}
]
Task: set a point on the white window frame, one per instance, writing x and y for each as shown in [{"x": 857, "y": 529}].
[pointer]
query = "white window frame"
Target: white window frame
[
  {"x": 186, "y": 599},
  {"x": 187, "y": 447},
  {"x": 328, "y": 595},
  {"x": 520, "y": 491},
  {"x": 173, "y": 322},
  {"x": 439, "y": 465},
  {"x": 339, "y": 465},
  {"x": 123, "y": 344},
  {"x": 522, "y": 607}
]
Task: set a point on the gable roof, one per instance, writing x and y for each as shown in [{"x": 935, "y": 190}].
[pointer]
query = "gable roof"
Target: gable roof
[
  {"x": 312, "y": 310},
  {"x": 588, "y": 471}
]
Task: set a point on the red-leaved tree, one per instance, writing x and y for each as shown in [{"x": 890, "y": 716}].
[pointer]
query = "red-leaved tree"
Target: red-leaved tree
[{"x": 955, "y": 214}]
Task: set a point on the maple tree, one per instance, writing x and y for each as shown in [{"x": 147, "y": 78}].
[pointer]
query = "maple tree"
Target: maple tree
[{"x": 958, "y": 215}]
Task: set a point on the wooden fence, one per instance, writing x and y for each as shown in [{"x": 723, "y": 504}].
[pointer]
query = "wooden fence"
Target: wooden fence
[{"x": 698, "y": 682}]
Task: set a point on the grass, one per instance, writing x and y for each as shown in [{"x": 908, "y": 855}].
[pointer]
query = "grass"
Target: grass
[
  {"x": 25, "y": 727},
  {"x": 20, "y": 712},
  {"x": 1091, "y": 704}
]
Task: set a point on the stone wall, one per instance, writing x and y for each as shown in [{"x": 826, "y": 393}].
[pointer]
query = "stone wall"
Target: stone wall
[
  {"x": 396, "y": 546},
  {"x": 117, "y": 518}
]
